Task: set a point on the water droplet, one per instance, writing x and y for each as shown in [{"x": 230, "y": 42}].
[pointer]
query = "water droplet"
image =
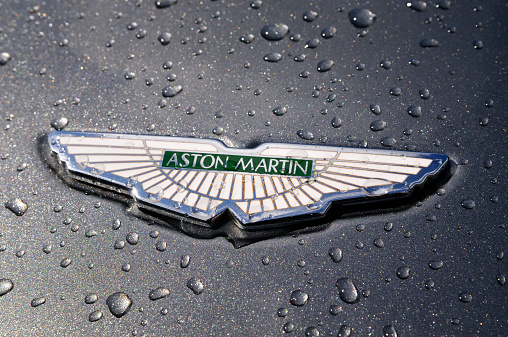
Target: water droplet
[
  {"x": 165, "y": 3},
  {"x": 403, "y": 272},
  {"x": 247, "y": 38},
  {"x": 465, "y": 297},
  {"x": 311, "y": 44},
  {"x": 295, "y": 37},
  {"x": 300, "y": 58},
  {"x": 195, "y": 285},
  {"x": 347, "y": 290},
  {"x": 158, "y": 293},
  {"x": 325, "y": 65},
  {"x": 6, "y": 286},
  {"x": 184, "y": 261},
  {"x": 172, "y": 91},
  {"x": 378, "y": 125},
  {"x": 274, "y": 31},
  {"x": 305, "y": 134},
  {"x": 328, "y": 32},
  {"x": 376, "y": 187},
  {"x": 272, "y": 57},
  {"x": 312, "y": 332},
  {"x": 376, "y": 109},
  {"x": 298, "y": 298},
  {"x": 161, "y": 246},
  {"x": 389, "y": 331},
  {"x": 344, "y": 331},
  {"x": 501, "y": 279},
  {"x": 265, "y": 260},
  {"x": 429, "y": 43},
  {"x": 379, "y": 243},
  {"x": 395, "y": 91},
  {"x": 4, "y": 58},
  {"x": 16, "y": 206},
  {"x": 279, "y": 111},
  {"x": 414, "y": 111},
  {"x": 282, "y": 312},
  {"x": 468, "y": 204},
  {"x": 335, "y": 254},
  {"x": 288, "y": 327},
  {"x": 336, "y": 122},
  {"x": 119, "y": 304},
  {"x": 362, "y": 18},
  {"x": 95, "y": 316},
  {"x": 37, "y": 301},
  {"x": 65, "y": 262},
  {"x": 164, "y": 38},
  {"x": 91, "y": 298},
  {"x": 309, "y": 16},
  {"x": 388, "y": 142},
  {"x": 132, "y": 238},
  {"x": 218, "y": 130},
  {"x": 418, "y": 6},
  {"x": 424, "y": 93},
  {"x": 59, "y": 123},
  {"x": 116, "y": 224}
]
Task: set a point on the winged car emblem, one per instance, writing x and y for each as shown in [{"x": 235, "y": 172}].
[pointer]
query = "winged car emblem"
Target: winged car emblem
[{"x": 202, "y": 178}]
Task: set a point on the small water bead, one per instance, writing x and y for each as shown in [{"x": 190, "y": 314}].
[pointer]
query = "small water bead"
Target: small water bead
[
  {"x": 388, "y": 142},
  {"x": 4, "y": 58},
  {"x": 91, "y": 298},
  {"x": 185, "y": 261},
  {"x": 247, "y": 38},
  {"x": 305, "y": 134},
  {"x": 309, "y": 16},
  {"x": 436, "y": 265},
  {"x": 65, "y": 262},
  {"x": 126, "y": 267},
  {"x": 312, "y": 332},
  {"x": 272, "y": 57},
  {"x": 279, "y": 111},
  {"x": 483, "y": 121},
  {"x": 395, "y": 91},
  {"x": 414, "y": 111},
  {"x": 313, "y": 43},
  {"x": 325, "y": 65},
  {"x": 164, "y": 38},
  {"x": 385, "y": 64},
  {"x": 218, "y": 130},
  {"x": 282, "y": 312},
  {"x": 336, "y": 122},
  {"x": 300, "y": 58},
  {"x": 288, "y": 327},
  {"x": 378, "y": 125},
  {"x": 335, "y": 254},
  {"x": 195, "y": 285},
  {"x": 418, "y": 6},
  {"x": 329, "y": 32},
  {"x": 465, "y": 297},
  {"x": 158, "y": 293},
  {"x": 298, "y": 298},
  {"x": 424, "y": 93},
  {"x": 95, "y": 316},
  {"x": 295, "y": 37},
  {"x": 256, "y": 4},
  {"x": 164, "y": 3},
  {"x": 132, "y": 238},
  {"x": 132, "y": 25},
  {"x": 362, "y": 18},
  {"x": 444, "y": 4},
  {"x": 468, "y": 204},
  {"x": 429, "y": 43},
  {"x": 59, "y": 123},
  {"x": 389, "y": 331},
  {"x": 38, "y": 301},
  {"x": 172, "y": 91},
  {"x": 489, "y": 103},
  {"x": 274, "y": 31},
  {"x": 403, "y": 272},
  {"x": 501, "y": 279}
]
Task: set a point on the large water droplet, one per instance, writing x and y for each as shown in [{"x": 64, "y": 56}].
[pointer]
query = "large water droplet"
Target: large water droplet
[
  {"x": 172, "y": 90},
  {"x": 344, "y": 331},
  {"x": 362, "y": 18},
  {"x": 403, "y": 272},
  {"x": 16, "y": 206},
  {"x": 389, "y": 331},
  {"x": 347, "y": 290},
  {"x": 195, "y": 285},
  {"x": 305, "y": 134},
  {"x": 335, "y": 254},
  {"x": 298, "y": 298},
  {"x": 272, "y": 57},
  {"x": 165, "y": 3},
  {"x": 95, "y": 316},
  {"x": 378, "y": 125},
  {"x": 325, "y": 65},
  {"x": 429, "y": 43},
  {"x": 309, "y": 16},
  {"x": 6, "y": 286},
  {"x": 274, "y": 31},
  {"x": 119, "y": 304}
]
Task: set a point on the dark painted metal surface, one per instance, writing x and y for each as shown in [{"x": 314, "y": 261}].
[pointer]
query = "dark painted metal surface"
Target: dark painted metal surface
[{"x": 437, "y": 268}]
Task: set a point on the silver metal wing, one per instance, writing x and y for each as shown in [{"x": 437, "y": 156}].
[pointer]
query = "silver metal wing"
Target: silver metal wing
[{"x": 134, "y": 162}]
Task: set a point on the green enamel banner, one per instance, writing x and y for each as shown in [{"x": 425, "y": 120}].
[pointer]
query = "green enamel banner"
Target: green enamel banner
[{"x": 234, "y": 163}]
